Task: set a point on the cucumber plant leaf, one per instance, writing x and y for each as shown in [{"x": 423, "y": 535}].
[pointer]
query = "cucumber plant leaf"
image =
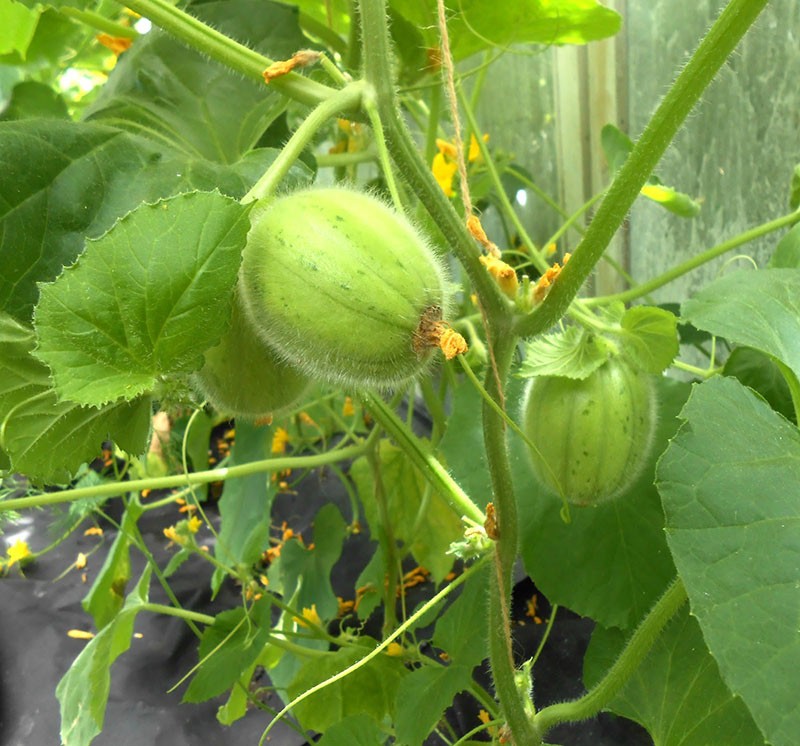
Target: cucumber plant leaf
[
  {"x": 651, "y": 337},
  {"x": 162, "y": 90},
  {"x": 756, "y": 309},
  {"x": 676, "y": 693},
  {"x": 63, "y": 182},
  {"x": 160, "y": 283},
  {"x": 730, "y": 485},
  {"x": 83, "y": 691},
  {"x": 573, "y": 353},
  {"x": 17, "y": 26},
  {"x": 370, "y": 690},
  {"x": 357, "y": 730},
  {"x": 474, "y": 25},
  {"x": 228, "y": 647},
  {"x": 44, "y": 437},
  {"x": 406, "y": 493},
  {"x": 787, "y": 252}
]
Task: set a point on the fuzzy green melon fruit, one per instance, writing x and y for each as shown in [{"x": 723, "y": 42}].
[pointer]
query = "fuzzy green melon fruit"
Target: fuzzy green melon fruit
[
  {"x": 343, "y": 287},
  {"x": 244, "y": 377},
  {"x": 593, "y": 435}
]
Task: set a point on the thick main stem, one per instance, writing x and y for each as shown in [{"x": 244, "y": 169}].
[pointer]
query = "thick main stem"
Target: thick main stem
[
  {"x": 714, "y": 49},
  {"x": 515, "y": 703}
]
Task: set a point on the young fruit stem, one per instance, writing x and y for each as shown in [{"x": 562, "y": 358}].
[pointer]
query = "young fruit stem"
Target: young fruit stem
[
  {"x": 342, "y": 100},
  {"x": 714, "y": 49},
  {"x": 617, "y": 676},
  {"x": 679, "y": 270},
  {"x": 197, "y": 35}
]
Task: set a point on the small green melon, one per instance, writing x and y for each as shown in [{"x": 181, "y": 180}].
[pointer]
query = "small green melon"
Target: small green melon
[
  {"x": 342, "y": 287},
  {"x": 593, "y": 435},
  {"x": 243, "y": 377}
]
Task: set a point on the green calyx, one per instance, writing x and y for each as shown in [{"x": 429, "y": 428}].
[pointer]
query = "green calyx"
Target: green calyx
[
  {"x": 343, "y": 287},
  {"x": 593, "y": 435},
  {"x": 243, "y": 377}
]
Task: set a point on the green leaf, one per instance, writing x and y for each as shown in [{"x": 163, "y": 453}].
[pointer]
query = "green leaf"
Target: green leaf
[
  {"x": 427, "y": 534},
  {"x": 474, "y": 25},
  {"x": 83, "y": 691},
  {"x": 423, "y": 697},
  {"x": 305, "y": 573},
  {"x": 370, "y": 689},
  {"x": 165, "y": 91},
  {"x": 676, "y": 693},
  {"x": 228, "y": 648},
  {"x": 787, "y": 252},
  {"x": 30, "y": 99},
  {"x": 461, "y": 631},
  {"x": 139, "y": 303},
  {"x": 358, "y": 730},
  {"x": 63, "y": 182},
  {"x": 574, "y": 353},
  {"x": 245, "y": 504},
  {"x": 107, "y": 594},
  {"x": 651, "y": 337},
  {"x": 762, "y": 374},
  {"x": 756, "y": 309},
  {"x": 614, "y": 555},
  {"x": 616, "y": 147},
  {"x": 47, "y": 439},
  {"x": 733, "y": 525},
  {"x": 794, "y": 191},
  {"x": 17, "y": 26}
]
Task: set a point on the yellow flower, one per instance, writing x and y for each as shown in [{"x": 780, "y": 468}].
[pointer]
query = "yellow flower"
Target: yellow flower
[
  {"x": 310, "y": 615},
  {"x": 474, "y": 148},
  {"x": 443, "y": 172},
  {"x": 194, "y": 524},
  {"x": 279, "y": 440},
  {"x": 80, "y": 563},
  {"x": 79, "y": 634},
  {"x": 348, "y": 410},
  {"x": 93, "y": 531},
  {"x": 172, "y": 534},
  {"x": 394, "y": 650},
  {"x": 18, "y": 552},
  {"x": 504, "y": 274}
]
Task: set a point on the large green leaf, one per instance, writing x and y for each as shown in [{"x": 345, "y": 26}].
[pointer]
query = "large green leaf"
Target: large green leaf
[
  {"x": 228, "y": 647},
  {"x": 787, "y": 252},
  {"x": 358, "y": 730},
  {"x": 757, "y": 309},
  {"x": 676, "y": 693},
  {"x": 475, "y": 25},
  {"x": 48, "y": 439},
  {"x": 17, "y": 26},
  {"x": 143, "y": 301},
  {"x": 423, "y": 697},
  {"x": 107, "y": 594},
  {"x": 83, "y": 691},
  {"x": 426, "y": 536},
  {"x": 63, "y": 182},
  {"x": 245, "y": 503},
  {"x": 165, "y": 91},
  {"x": 370, "y": 689},
  {"x": 730, "y": 484}
]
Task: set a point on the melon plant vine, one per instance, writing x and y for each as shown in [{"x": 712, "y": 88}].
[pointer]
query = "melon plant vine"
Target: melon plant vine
[{"x": 263, "y": 216}]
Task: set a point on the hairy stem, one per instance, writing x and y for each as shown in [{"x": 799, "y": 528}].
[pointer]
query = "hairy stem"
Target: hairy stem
[
  {"x": 696, "y": 261},
  {"x": 629, "y": 660},
  {"x": 197, "y": 35},
  {"x": 714, "y": 49}
]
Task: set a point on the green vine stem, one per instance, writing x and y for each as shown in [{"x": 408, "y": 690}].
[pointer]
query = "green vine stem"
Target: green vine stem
[
  {"x": 378, "y": 58},
  {"x": 629, "y": 660},
  {"x": 714, "y": 49},
  {"x": 100, "y": 23},
  {"x": 181, "y": 480},
  {"x": 696, "y": 261},
  {"x": 197, "y": 35},
  {"x": 342, "y": 100},
  {"x": 422, "y": 458}
]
